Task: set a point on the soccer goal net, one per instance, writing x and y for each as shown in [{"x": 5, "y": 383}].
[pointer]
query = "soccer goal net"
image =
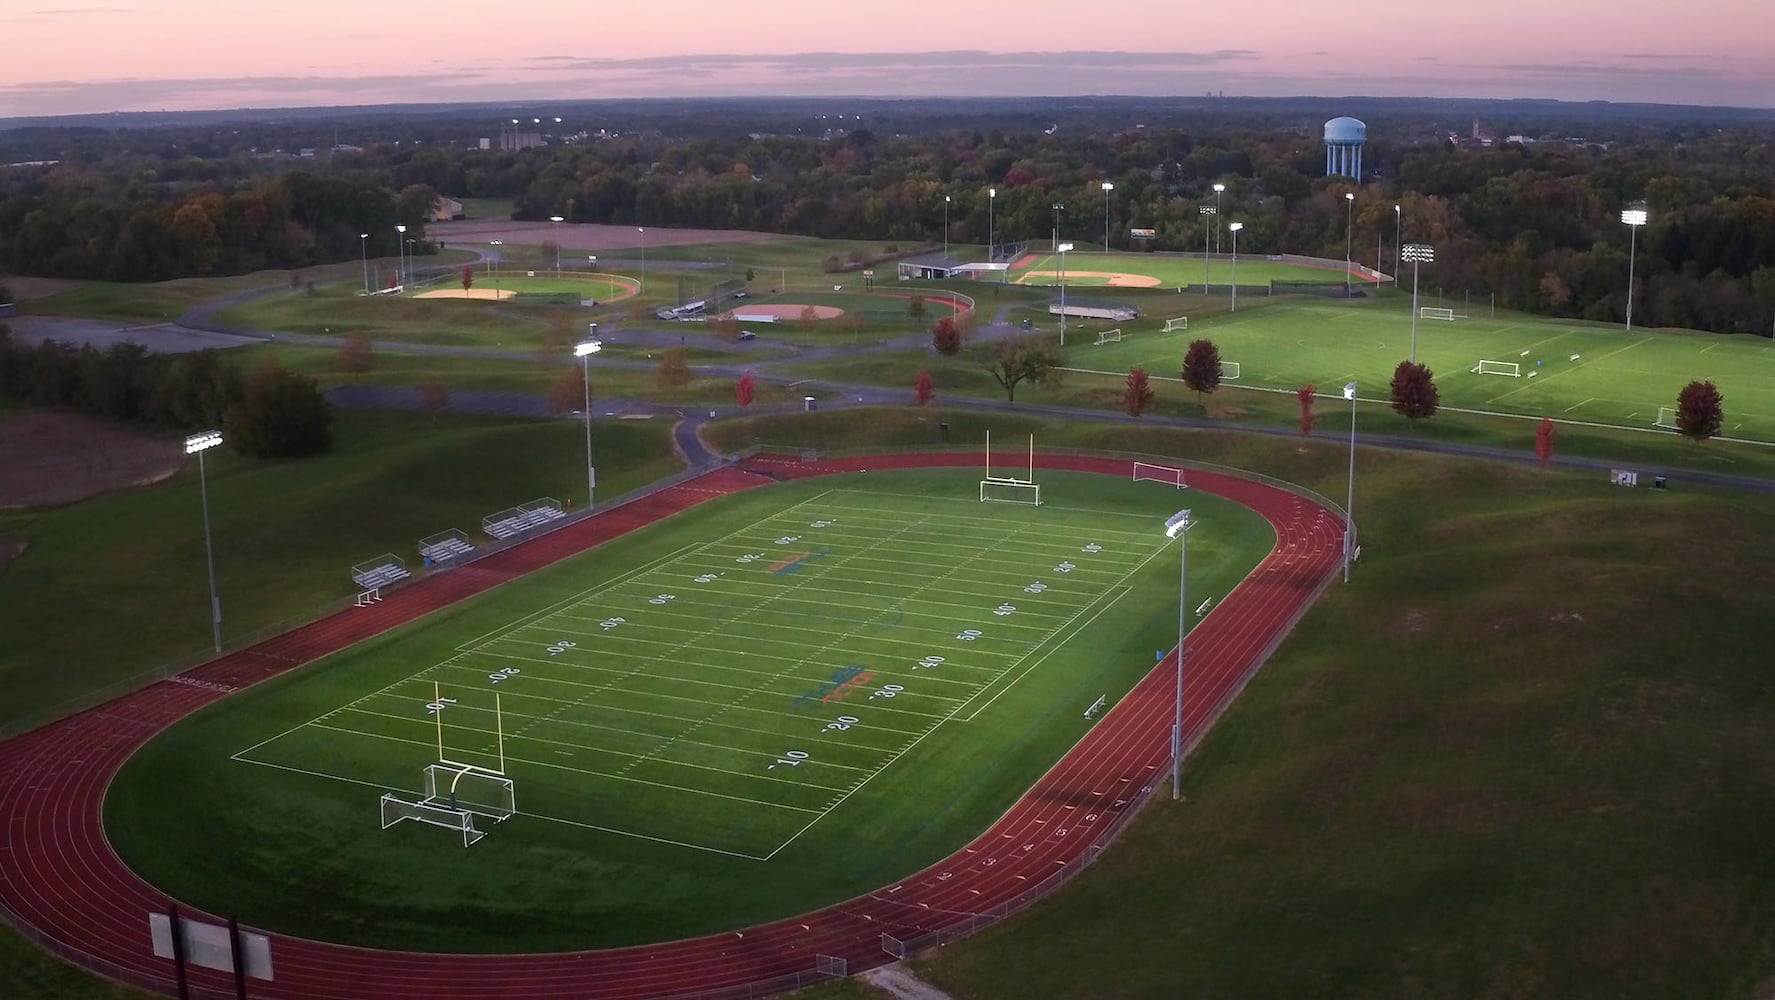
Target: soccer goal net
[
  {"x": 396, "y": 809},
  {"x": 1110, "y": 336},
  {"x": 1436, "y": 312},
  {"x": 1179, "y": 323},
  {"x": 1010, "y": 491},
  {"x": 1229, "y": 370},
  {"x": 1666, "y": 417},
  {"x": 471, "y": 789},
  {"x": 1145, "y": 472},
  {"x": 1509, "y": 368}
]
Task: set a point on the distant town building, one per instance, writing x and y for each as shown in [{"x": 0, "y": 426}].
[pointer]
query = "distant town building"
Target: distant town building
[
  {"x": 511, "y": 140},
  {"x": 1344, "y": 138},
  {"x": 444, "y": 209}
]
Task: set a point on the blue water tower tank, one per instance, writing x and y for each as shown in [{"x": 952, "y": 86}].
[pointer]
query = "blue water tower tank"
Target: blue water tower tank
[{"x": 1343, "y": 147}]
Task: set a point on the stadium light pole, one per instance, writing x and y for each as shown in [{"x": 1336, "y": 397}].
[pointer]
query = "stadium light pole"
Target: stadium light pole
[
  {"x": 557, "y": 220},
  {"x": 197, "y": 444},
  {"x": 1417, "y": 253},
  {"x": 991, "y": 199},
  {"x": 1634, "y": 218},
  {"x": 363, "y": 249},
  {"x": 1349, "y": 220},
  {"x": 1178, "y": 527},
  {"x": 410, "y": 242},
  {"x": 400, "y": 255},
  {"x": 1205, "y": 211},
  {"x": 1219, "y": 189},
  {"x": 1107, "y": 188},
  {"x": 643, "y": 231},
  {"x": 1234, "y": 229},
  {"x": 1060, "y": 251},
  {"x": 584, "y": 350},
  {"x": 1350, "y": 498},
  {"x": 1397, "y": 231},
  {"x": 496, "y": 244},
  {"x": 945, "y": 230},
  {"x": 1058, "y": 208}
]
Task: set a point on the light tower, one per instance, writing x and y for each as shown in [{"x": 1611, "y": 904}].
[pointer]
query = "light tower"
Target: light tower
[
  {"x": 1107, "y": 188},
  {"x": 1634, "y": 218},
  {"x": 1417, "y": 253},
  {"x": 1234, "y": 229},
  {"x": 1219, "y": 189}
]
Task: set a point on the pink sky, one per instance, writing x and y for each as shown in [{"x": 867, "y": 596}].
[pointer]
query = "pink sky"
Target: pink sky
[{"x": 187, "y": 54}]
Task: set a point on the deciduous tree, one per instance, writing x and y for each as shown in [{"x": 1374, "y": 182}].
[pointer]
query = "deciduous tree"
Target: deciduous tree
[
  {"x": 357, "y": 354},
  {"x": 1545, "y": 435},
  {"x": 1138, "y": 395},
  {"x": 434, "y": 396},
  {"x": 946, "y": 336},
  {"x": 1307, "y": 395},
  {"x": 1700, "y": 411},
  {"x": 468, "y": 278},
  {"x": 674, "y": 369},
  {"x": 744, "y": 389},
  {"x": 1201, "y": 368},
  {"x": 281, "y": 415},
  {"x": 1011, "y": 362},
  {"x": 923, "y": 388},
  {"x": 915, "y": 307},
  {"x": 1414, "y": 391}
]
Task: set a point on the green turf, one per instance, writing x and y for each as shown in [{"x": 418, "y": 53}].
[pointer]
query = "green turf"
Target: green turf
[
  {"x": 1173, "y": 271},
  {"x": 31, "y": 973},
  {"x": 486, "y": 208},
  {"x": 658, "y": 696},
  {"x": 285, "y": 536},
  {"x": 1583, "y": 372}
]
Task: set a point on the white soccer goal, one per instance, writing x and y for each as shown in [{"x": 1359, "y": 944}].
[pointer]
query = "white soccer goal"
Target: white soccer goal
[
  {"x": 1509, "y": 368},
  {"x": 1145, "y": 472},
  {"x": 395, "y": 809},
  {"x": 1010, "y": 491},
  {"x": 470, "y": 789},
  {"x": 1436, "y": 312},
  {"x": 1110, "y": 336},
  {"x": 1179, "y": 323},
  {"x": 1229, "y": 370},
  {"x": 1666, "y": 417}
]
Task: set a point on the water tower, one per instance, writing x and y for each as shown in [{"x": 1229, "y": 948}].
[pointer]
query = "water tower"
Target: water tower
[{"x": 1343, "y": 147}]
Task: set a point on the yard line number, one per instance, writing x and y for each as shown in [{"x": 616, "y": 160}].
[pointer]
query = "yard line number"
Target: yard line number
[{"x": 790, "y": 758}]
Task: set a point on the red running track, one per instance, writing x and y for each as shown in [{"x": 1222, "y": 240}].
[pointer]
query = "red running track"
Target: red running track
[{"x": 60, "y": 879}]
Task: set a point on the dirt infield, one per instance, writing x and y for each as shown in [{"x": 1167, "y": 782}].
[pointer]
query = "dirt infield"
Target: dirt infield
[
  {"x": 787, "y": 311},
  {"x": 583, "y": 236},
  {"x": 1117, "y": 279},
  {"x": 468, "y": 293},
  {"x": 53, "y": 458}
]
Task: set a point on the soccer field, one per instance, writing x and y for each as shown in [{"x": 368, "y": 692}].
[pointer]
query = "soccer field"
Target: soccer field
[
  {"x": 764, "y": 710},
  {"x": 1553, "y": 367}
]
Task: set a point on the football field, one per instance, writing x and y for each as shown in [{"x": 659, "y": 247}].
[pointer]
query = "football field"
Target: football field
[{"x": 790, "y": 697}]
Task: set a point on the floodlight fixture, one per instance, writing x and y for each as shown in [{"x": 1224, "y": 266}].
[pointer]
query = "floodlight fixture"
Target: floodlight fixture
[
  {"x": 1634, "y": 218},
  {"x": 586, "y": 347},
  {"x": 202, "y": 442},
  {"x": 1177, "y": 524},
  {"x": 197, "y": 444}
]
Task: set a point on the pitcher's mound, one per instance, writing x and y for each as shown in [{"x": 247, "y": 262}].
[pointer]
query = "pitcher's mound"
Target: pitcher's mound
[{"x": 786, "y": 311}]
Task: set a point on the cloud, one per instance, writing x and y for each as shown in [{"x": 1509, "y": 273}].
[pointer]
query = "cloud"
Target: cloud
[{"x": 82, "y": 11}]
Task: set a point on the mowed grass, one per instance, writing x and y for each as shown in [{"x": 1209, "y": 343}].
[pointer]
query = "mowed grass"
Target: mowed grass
[
  {"x": 1173, "y": 271},
  {"x": 1523, "y": 753},
  {"x": 793, "y": 696},
  {"x": 285, "y": 533},
  {"x": 1581, "y": 371}
]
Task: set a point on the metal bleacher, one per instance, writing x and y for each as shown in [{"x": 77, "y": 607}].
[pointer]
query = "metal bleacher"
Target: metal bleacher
[
  {"x": 525, "y": 517},
  {"x": 379, "y": 572},
  {"x": 445, "y": 547}
]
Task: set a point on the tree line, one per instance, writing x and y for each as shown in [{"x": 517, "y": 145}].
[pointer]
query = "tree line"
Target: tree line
[
  {"x": 1537, "y": 226},
  {"x": 269, "y": 412}
]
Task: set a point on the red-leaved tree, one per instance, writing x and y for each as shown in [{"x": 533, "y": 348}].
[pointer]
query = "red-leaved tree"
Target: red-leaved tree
[
  {"x": 1700, "y": 411},
  {"x": 946, "y": 336},
  {"x": 744, "y": 389},
  {"x": 1201, "y": 368},
  {"x": 923, "y": 388},
  {"x": 1545, "y": 435},
  {"x": 1139, "y": 393},
  {"x": 1307, "y": 394},
  {"x": 1414, "y": 391},
  {"x": 468, "y": 278}
]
